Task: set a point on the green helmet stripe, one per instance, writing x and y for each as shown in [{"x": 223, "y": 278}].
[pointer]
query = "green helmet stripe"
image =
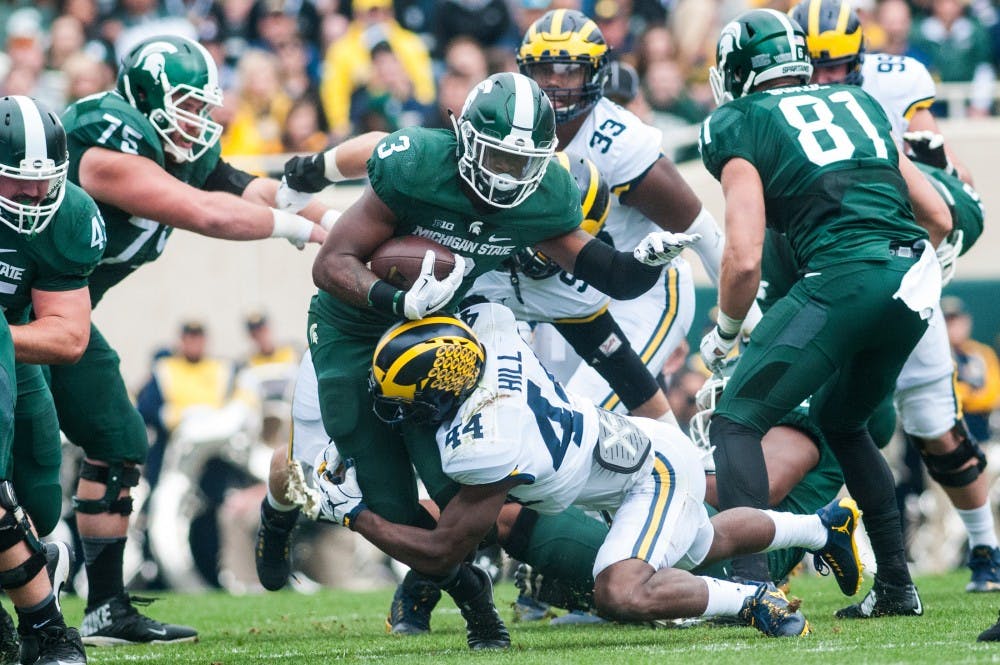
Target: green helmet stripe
[
  {"x": 35, "y": 147},
  {"x": 524, "y": 109},
  {"x": 787, "y": 24}
]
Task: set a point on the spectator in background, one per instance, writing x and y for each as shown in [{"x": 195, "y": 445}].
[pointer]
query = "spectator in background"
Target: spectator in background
[
  {"x": 527, "y": 12},
  {"x": 958, "y": 50},
  {"x": 259, "y": 108},
  {"x": 87, "y": 12},
  {"x": 977, "y": 367},
  {"x": 181, "y": 380},
  {"x": 305, "y": 127},
  {"x": 296, "y": 77},
  {"x": 25, "y": 51},
  {"x": 488, "y": 22},
  {"x": 896, "y": 21},
  {"x": 135, "y": 20},
  {"x": 274, "y": 21},
  {"x": 614, "y": 18},
  {"x": 654, "y": 44},
  {"x": 348, "y": 64},
  {"x": 453, "y": 88},
  {"x": 672, "y": 108},
  {"x": 86, "y": 75},
  {"x": 265, "y": 350},
  {"x": 387, "y": 102},
  {"x": 464, "y": 57}
]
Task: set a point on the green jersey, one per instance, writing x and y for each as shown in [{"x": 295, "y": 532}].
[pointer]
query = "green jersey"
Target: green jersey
[
  {"x": 106, "y": 120},
  {"x": 829, "y": 168},
  {"x": 60, "y": 258},
  {"x": 966, "y": 207},
  {"x": 415, "y": 173}
]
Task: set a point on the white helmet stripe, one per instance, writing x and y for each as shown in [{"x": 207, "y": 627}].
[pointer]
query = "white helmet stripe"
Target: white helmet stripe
[
  {"x": 787, "y": 23},
  {"x": 524, "y": 109},
  {"x": 213, "y": 71},
  {"x": 35, "y": 148}
]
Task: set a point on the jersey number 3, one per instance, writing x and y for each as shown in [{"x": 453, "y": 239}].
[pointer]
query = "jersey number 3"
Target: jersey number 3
[{"x": 821, "y": 137}]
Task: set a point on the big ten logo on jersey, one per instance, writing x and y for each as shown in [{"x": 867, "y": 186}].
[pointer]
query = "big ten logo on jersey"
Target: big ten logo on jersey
[{"x": 604, "y": 135}]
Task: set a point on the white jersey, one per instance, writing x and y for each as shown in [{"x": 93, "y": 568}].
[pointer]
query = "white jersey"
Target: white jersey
[
  {"x": 544, "y": 300},
  {"x": 520, "y": 422},
  {"x": 901, "y": 84},
  {"x": 623, "y": 148}
]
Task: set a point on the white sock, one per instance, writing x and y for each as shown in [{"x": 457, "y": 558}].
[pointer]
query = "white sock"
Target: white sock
[
  {"x": 796, "y": 531},
  {"x": 278, "y": 505},
  {"x": 979, "y": 525},
  {"x": 725, "y": 598}
]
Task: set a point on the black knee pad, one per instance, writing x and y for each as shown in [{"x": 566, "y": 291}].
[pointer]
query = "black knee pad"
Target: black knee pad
[
  {"x": 115, "y": 476},
  {"x": 947, "y": 468},
  {"x": 15, "y": 528}
]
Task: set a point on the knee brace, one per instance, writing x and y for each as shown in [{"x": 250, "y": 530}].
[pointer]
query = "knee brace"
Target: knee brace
[
  {"x": 947, "y": 468},
  {"x": 15, "y": 528},
  {"x": 114, "y": 477}
]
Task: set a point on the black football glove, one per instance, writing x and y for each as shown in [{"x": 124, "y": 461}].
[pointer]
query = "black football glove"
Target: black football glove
[
  {"x": 927, "y": 148},
  {"x": 306, "y": 174}
]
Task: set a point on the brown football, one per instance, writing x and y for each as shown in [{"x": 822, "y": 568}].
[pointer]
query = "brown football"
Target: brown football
[{"x": 399, "y": 259}]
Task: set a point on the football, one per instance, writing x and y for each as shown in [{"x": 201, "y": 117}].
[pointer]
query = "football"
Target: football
[{"x": 398, "y": 260}]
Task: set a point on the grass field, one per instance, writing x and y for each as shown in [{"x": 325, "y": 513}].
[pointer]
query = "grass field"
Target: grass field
[{"x": 346, "y": 627}]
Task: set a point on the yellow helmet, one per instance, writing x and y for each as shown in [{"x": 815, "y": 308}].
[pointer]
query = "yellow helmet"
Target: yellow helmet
[
  {"x": 567, "y": 37},
  {"x": 423, "y": 370},
  {"x": 595, "y": 200},
  {"x": 833, "y": 35}
]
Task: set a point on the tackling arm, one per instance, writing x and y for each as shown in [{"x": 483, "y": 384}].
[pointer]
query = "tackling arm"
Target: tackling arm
[
  {"x": 923, "y": 120},
  {"x": 60, "y": 331},
  {"x": 931, "y": 210},
  {"x": 618, "y": 274},
  {"x": 463, "y": 524}
]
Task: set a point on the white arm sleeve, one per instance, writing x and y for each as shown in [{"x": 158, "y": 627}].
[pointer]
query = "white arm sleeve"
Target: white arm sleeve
[{"x": 709, "y": 248}]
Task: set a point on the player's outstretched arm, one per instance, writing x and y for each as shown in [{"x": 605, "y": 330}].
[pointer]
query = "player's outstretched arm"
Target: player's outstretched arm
[
  {"x": 618, "y": 274},
  {"x": 923, "y": 120},
  {"x": 60, "y": 330},
  {"x": 141, "y": 187}
]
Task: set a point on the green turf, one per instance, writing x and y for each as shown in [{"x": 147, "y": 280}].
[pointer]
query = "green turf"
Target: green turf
[{"x": 346, "y": 627}]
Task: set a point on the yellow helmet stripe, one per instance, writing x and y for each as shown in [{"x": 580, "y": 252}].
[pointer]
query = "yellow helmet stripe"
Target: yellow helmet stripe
[
  {"x": 814, "y": 8},
  {"x": 592, "y": 187},
  {"x": 557, "y": 18},
  {"x": 845, "y": 15}
]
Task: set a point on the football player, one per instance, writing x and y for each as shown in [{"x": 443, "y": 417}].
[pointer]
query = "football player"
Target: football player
[
  {"x": 504, "y": 428},
  {"x": 844, "y": 330},
  {"x": 148, "y": 153},
  {"x": 566, "y": 54},
  {"x": 53, "y": 236},
  {"x": 925, "y": 397},
  {"x": 484, "y": 191}
]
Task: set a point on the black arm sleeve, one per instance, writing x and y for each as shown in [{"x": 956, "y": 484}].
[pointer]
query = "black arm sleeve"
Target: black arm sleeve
[
  {"x": 603, "y": 345},
  {"x": 227, "y": 178},
  {"x": 615, "y": 273}
]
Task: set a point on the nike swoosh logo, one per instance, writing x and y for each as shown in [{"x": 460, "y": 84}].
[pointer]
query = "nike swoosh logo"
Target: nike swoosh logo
[
  {"x": 36, "y": 626},
  {"x": 161, "y": 631},
  {"x": 492, "y": 238}
]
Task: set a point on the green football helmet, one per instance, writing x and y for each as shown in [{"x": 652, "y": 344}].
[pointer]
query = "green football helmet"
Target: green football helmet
[
  {"x": 506, "y": 135},
  {"x": 174, "y": 82},
  {"x": 423, "y": 370},
  {"x": 758, "y": 46},
  {"x": 33, "y": 153}
]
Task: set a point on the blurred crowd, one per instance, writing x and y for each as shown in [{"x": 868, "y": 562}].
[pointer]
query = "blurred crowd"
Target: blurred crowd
[{"x": 300, "y": 75}]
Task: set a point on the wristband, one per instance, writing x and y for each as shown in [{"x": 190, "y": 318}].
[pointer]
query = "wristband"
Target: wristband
[
  {"x": 330, "y": 169},
  {"x": 729, "y": 327},
  {"x": 353, "y": 515},
  {"x": 385, "y": 297},
  {"x": 291, "y": 227},
  {"x": 329, "y": 218}
]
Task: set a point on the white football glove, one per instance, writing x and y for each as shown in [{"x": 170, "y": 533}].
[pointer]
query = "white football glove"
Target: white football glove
[
  {"x": 428, "y": 294},
  {"x": 714, "y": 348},
  {"x": 661, "y": 247},
  {"x": 290, "y": 200},
  {"x": 947, "y": 254},
  {"x": 341, "y": 501}
]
